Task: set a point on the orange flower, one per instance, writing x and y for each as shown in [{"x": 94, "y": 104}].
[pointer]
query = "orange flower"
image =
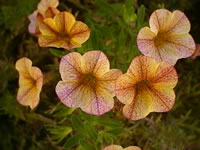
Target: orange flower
[
  {"x": 63, "y": 31},
  {"x": 117, "y": 147},
  {"x": 30, "y": 83},
  {"x": 197, "y": 52},
  {"x": 87, "y": 82},
  {"x": 43, "y": 6},
  {"x": 168, "y": 37},
  {"x": 146, "y": 87}
]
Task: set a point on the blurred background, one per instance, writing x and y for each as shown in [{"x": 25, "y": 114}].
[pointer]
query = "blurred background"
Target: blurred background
[{"x": 114, "y": 26}]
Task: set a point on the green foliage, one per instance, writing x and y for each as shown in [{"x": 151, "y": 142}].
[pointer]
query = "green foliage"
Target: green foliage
[{"x": 114, "y": 26}]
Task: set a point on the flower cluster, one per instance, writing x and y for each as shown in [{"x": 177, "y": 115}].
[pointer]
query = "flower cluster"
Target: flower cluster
[{"x": 87, "y": 80}]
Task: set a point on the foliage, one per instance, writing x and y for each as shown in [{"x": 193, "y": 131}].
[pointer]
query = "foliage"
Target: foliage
[{"x": 114, "y": 26}]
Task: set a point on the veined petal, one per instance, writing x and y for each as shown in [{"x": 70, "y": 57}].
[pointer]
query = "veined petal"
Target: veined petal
[
  {"x": 51, "y": 12},
  {"x": 142, "y": 68},
  {"x": 70, "y": 21},
  {"x": 47, "y": 27},
  {"x": 179, "y": 23},
  {"x": 132, "y": 148},
  {"x": 79, "y": 33},
  {"x": 125, "y": 89},
  {"x": 141, "y": 104},
  {"x": 71, "y": 66},
  {"x": 30, "y": 83},
  {"x": 113, "y": 147},
  {"x": 95, "y": 62},
  {"x": 44, "y": 4},
  {"x": 33, "y": 22},
  {"x": 47, "y": 41},
  {"x": 159, "y": 20}
]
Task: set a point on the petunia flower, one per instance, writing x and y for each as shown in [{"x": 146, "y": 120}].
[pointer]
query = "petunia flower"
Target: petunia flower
[
  {"x": 146, "y": 87},
  {"x": 87, "y": 82},
  {"x": 63, "y": 31},
  {"x": 197, "y": 52},
  {"x": 117, "y": 147},
  {"x": 30, "y": 83},
  {"x": 168, "y": 37},
  {"x": 43, "y": 6}
]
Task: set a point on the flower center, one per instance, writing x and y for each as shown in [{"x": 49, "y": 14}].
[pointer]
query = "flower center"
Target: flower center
[
  {"x": 89, "y": 80},
  {"x": 64, "y": 36},
  {"x": 160, "y": 39},
  {"x": 143, "y": 84}
]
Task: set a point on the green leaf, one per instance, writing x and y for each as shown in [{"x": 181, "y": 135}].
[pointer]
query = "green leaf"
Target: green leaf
[
  {"x": 58, "y": 53},
  {"x": 78, "y": 124},
  {"x": 74, "y": 140},
  {"x": 140, "y": 16},
  {"x": 86, "y": 145},
  {"x": 92, "y": 132},
  {"x": 116, "y": 131},
  {"x": 110, "y": 122}
]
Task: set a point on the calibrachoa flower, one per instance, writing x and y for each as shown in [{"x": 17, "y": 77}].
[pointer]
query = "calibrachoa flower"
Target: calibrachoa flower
[
  {"x": 197, "y": 52},
  {"x": 117, "y": 147},
  {"x": 146, "y": 87},
  {"x": 43, "y": 6},
  {"x": 87, "y": 82},
  {"x": 30, "y": 83},
  {"x": 168, "y": 37},
  {"x": 63, "y": 31}
]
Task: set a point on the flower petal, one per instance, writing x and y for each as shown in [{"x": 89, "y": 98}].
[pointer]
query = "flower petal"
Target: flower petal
[
  {"x": 197, "y": 52},
  {"x": 45, "y": 4},
  {"x": 132, "y": 148},
  {"x": 47, "y": 41},
  {"x": 125, "y": 89},
  {"x": 30, "y": 83},
  {"x": 113, "y": 147},
  {"x": 33, "y": 22},
  {"x": 95, "y": 62},
  {"x": 79, "y": 33},
  {"x": 159, "y": 20},
  {"x": 70, "y": 66}
]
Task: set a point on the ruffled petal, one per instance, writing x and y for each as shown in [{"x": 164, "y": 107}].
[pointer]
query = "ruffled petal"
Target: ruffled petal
[
  {"x": 33, "y": 22},
  {"x": 50, "y": 41},
  {"x": 132, "y": 148},
  {"x": 79, "y": 33},
  {"x": 45, "y": 4},
  {"x": 113, "y": 147},
  {"x": 71, "y": 66},
  {"x": 95, "y": 62},
  {"x": 125, "y": 89},
  {"x": 159, "y": 20},
  {"x": 30, "y": 83}
]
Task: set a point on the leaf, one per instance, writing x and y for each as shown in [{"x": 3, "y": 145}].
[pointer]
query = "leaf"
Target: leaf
[
  {"x": 92, "y": 132},
  {"x": 78, "y": 124},
  {"x": 110, "y": 122},
  {"x": 140, "y": 16},
  {"x": 58, "y": 53},
  {"x": 74, "y": 140},
  {"x": 86, "y": 145},
  {"x": 116, "y": 131}
]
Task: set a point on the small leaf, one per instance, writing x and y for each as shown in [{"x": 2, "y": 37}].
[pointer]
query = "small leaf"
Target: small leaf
[
  {"x": 86, "y": 145},
  {"x": 140, "y": 16},
  {"x": 78, "y": 124},
  {"x": 58, "y": 53},
  {"x": 92, "y": 132},
  {"x": 74, "y": 140},
  {"x": 110, "y": 122},
  {"x": 116, "y": 131}
]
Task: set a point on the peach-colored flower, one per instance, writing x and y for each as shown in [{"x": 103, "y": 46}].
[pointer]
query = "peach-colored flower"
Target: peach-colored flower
[
  {"x": 146, "y": 87},
  {"x": 168, "y": 37},
  {"x": 117, "y": 147},
  {"x": 41, "y": 9},
  {"x": 63, "y": 31},
  {"x": 197, "y": 52},
  {"x": 30, "y": 83},
  {"x": 87, "y": 82}
]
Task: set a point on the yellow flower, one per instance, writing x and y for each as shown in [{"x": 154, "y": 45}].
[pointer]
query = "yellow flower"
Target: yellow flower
[
  {"x": 146, "y": 87},
  {"x": 63, "y": 31},
  {"x": 117, "y": 147},
  {"x": 30, "y": 83},
  {"x": 42, "y": 8},
  {"x": 168, "y": 37},
  {"x": 87, "y": 82}
]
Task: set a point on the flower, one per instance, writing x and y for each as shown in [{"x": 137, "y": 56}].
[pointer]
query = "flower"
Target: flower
[
  {"x": 146, "y": 87},
  {"x": 197, "y": 52},
  {"x": 63, "y": 31},
  {"x": 87, "y": 82},
  {"x": 168, "y": 37},
  {"x": 30, "y": 83},
  {"x": 117, "y": 147},
  {"x": 43, "y": 6}
]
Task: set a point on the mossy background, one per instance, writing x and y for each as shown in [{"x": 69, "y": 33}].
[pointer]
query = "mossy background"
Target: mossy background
[{"x": 114, "y": 26}]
